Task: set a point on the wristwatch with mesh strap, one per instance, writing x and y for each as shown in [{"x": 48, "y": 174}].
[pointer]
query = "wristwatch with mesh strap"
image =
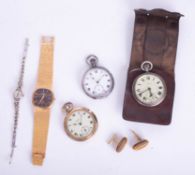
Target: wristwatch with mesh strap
[{"x": 42, "y": 100}]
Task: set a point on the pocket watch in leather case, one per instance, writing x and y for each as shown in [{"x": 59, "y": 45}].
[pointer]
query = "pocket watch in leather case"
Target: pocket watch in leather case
[
  {"x": 149, "y": 89},
  {"x": 151, "y": 82}
]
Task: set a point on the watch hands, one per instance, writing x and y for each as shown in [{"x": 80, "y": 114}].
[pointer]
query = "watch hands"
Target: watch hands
[
  {"x": 42, "y": 99},
  {"x": 78, "y": 121},
  {"x": 149, "y": 90},
  {"x": 151, "y": 94},
  {"x": 98, "y": 81},
  {"x": 144, "y": 91}
]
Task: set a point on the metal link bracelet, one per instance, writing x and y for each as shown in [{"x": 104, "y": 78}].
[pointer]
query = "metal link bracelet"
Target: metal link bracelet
[{"x": 18, "y": 94}]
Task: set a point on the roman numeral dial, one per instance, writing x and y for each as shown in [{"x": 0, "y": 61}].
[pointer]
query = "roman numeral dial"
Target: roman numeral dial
[{"x": 149, "y": 89}]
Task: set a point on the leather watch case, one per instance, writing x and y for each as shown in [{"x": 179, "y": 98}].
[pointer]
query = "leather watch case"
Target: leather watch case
[{"x": 155, "y": 40}]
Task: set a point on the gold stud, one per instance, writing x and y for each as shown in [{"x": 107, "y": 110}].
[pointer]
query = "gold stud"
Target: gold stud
[
  {"x": 142, "y": 143},
  {"x": 118, "y": 143}
]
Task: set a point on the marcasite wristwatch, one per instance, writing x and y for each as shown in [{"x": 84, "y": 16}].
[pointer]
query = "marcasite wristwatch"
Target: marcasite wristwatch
[
  {"x": 18, "y": 94},
  {"x": 42, "y": 100},
  {"x": 150, "y": 84}
]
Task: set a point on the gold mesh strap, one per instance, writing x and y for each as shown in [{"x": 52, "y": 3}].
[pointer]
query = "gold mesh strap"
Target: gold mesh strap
[
  {"x": 45, "y": 72},
  {"x": 41, "y": 124},
  {"x": 41, "y": 117}
]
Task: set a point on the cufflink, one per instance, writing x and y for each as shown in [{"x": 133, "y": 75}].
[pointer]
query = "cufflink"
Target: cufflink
[
  {"x": 117, "y": 142},
  {"x": 141, "y": 143}
]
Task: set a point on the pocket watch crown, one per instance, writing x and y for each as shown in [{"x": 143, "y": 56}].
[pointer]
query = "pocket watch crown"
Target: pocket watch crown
[
  {"x": 92, "y": 60},
  {"x": 67, "y": 107},
  {"x": 146, "y": 66}
]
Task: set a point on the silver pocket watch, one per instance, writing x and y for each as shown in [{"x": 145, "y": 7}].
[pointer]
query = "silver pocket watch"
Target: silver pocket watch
[
  {"x": 149, "y": 89},
  {"x": 97, "y": 82}
]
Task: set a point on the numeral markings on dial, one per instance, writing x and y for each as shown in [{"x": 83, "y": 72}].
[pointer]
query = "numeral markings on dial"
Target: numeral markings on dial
[
  {"x": 80, "y": 124},
  {"x": 149, "y": 89},
  {"x": 97, "y": 82}
]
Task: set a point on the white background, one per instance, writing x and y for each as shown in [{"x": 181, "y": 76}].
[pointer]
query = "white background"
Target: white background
[{"x": 104, "y": 28}]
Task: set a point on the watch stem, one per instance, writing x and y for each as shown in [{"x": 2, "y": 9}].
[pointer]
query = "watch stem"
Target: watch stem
[
  {"x": 92, "y": 60},
  {"x": 67, "y": 107}
]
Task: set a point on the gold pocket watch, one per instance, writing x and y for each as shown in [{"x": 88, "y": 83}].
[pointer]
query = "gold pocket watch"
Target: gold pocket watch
[{"x": 80, "y": 123}]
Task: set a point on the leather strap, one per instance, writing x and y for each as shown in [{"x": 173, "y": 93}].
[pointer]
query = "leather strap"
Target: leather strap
[
  {"x": 155, "y": 39},
  {"x": 41, "y": 116}
]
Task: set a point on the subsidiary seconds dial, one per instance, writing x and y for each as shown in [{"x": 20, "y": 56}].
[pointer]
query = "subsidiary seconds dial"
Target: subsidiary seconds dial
[
  {"x": 97, "y": 82},
  {"x": 149, "y": 89}
]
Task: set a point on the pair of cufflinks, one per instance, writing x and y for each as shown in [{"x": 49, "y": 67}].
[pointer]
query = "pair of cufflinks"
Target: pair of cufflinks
[{"x": 119, "y": 143}]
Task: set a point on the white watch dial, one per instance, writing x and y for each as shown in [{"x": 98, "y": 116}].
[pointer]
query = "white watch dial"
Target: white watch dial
[
  {"x": 98, "y": 82},
  {"x": 149, "y": 89},
  {"x": 81, "y": 124}
]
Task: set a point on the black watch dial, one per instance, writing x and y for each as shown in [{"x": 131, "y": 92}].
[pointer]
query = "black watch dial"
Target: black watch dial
[{"x": 43, "y": 98}]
